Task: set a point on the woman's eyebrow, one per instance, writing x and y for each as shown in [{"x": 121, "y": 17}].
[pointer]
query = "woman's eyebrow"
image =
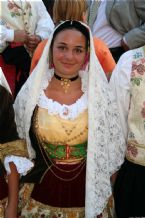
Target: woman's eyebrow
[{"x": 63, "y": 43}]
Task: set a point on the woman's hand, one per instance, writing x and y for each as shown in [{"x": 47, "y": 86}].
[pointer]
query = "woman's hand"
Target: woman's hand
[
  {"x": 20, "y": 36},
  {"x": 32, "y": 42}
]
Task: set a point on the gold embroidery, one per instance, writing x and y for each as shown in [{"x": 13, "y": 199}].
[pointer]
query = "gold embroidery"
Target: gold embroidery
[
  {"x": 51, "y": 128},
  {"x": 17, "y": 148},
  {"x": 41, "y": 143},
  {"x": 34, "y": 208},
  {"x": 3, "y": 204}
]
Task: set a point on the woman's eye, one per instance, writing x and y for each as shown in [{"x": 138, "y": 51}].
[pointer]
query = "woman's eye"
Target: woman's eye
[
  {"x": 78, "y": 50},
  {"x": 62, "y": 48}
]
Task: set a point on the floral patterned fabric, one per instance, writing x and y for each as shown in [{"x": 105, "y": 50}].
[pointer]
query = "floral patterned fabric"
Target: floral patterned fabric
[{"x": 136, "y": 117}]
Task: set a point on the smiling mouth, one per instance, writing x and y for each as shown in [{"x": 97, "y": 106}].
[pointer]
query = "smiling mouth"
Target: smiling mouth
[{"x": 68, "y": 64}]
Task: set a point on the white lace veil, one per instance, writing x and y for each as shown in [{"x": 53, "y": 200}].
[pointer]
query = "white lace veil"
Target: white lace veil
[
  {"x": 3, "y": 81},
  {"x": 106, "y": 145}
]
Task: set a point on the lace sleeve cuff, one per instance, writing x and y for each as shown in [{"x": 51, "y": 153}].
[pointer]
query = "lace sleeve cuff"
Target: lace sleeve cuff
[{"x": 22, "y": 164}]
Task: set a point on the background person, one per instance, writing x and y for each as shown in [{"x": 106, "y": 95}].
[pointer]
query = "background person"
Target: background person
[
  {"x": 120, "y": 24},
  {"x": 23, "y": 24},
  {"x": 10, "y": 148},
  {"x": 49, "y": 6},
  {"x": 128, "y": 85}
]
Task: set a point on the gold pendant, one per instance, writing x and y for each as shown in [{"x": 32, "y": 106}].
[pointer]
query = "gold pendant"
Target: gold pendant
[{"x": 65, "y": 83}]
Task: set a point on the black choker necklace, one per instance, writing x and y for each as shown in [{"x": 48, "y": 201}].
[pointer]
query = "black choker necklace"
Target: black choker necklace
[
  {"x": 65, "y": 82},
  {"x": 62, "y": 78}
]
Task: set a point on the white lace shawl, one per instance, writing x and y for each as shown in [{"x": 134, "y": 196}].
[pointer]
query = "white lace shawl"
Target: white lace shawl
[{"x": 106, "y": 145}]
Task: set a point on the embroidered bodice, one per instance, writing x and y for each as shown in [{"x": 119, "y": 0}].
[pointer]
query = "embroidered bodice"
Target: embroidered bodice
[
  {"x": 55, "y": 130},
  {"x": 62, "y": 129}
]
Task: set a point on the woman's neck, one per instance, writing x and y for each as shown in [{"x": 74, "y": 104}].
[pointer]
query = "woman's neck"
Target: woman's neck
[
  {"x": 66, "y": 84},
  {"x": 56, "y": 92}
]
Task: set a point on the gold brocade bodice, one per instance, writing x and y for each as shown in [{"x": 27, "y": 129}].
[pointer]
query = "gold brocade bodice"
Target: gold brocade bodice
[{"x": 54, "y": 130}]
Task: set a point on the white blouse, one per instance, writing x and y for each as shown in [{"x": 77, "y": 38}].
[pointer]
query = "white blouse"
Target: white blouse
[
  {"x": 120, "y": 86},
  {"x": 69, "y": 112}
]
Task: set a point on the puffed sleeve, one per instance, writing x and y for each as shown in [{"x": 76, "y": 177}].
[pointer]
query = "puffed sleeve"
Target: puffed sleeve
[
  {"x": 12, "y": 149},
  {"x": 16, "y": 152}
]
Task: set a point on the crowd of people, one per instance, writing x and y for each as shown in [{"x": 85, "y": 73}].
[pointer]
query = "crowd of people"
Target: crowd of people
[{"x": 72, "y": 116}]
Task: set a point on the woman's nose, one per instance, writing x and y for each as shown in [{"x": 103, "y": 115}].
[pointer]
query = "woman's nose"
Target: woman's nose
[{"x": 69, "y": 55}]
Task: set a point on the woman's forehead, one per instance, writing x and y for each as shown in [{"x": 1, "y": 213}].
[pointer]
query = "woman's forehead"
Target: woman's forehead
[{"x": 70, "y": 34}]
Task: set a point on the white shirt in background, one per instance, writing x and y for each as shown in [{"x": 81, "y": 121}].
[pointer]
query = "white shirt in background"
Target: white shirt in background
[{"x": 103, "y": 30}]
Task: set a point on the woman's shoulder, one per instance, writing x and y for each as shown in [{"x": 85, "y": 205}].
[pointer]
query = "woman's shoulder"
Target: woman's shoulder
[
  {"x": 104, "y": 55},
  {"x": 99, "y": 42},
  {"x": 100, "y": 46}
]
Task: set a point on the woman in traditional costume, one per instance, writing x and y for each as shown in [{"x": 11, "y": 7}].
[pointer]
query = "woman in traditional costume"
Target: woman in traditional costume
[
  {"x": 128, "y": 85},
  {"x": 65, "y": 113},
  {"x": 13, "y": 153}
]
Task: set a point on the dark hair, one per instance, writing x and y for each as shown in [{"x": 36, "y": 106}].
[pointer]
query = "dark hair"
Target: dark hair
[{"x": 72, "y": 25}]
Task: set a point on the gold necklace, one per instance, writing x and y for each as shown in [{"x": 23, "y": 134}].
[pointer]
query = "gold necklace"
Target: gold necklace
[
  {"x": 71, "y": 179},
  {"x": 82, "y": 162},
  {"x": 65, "y": 83},
  {"x": 70, "y": 131}
]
